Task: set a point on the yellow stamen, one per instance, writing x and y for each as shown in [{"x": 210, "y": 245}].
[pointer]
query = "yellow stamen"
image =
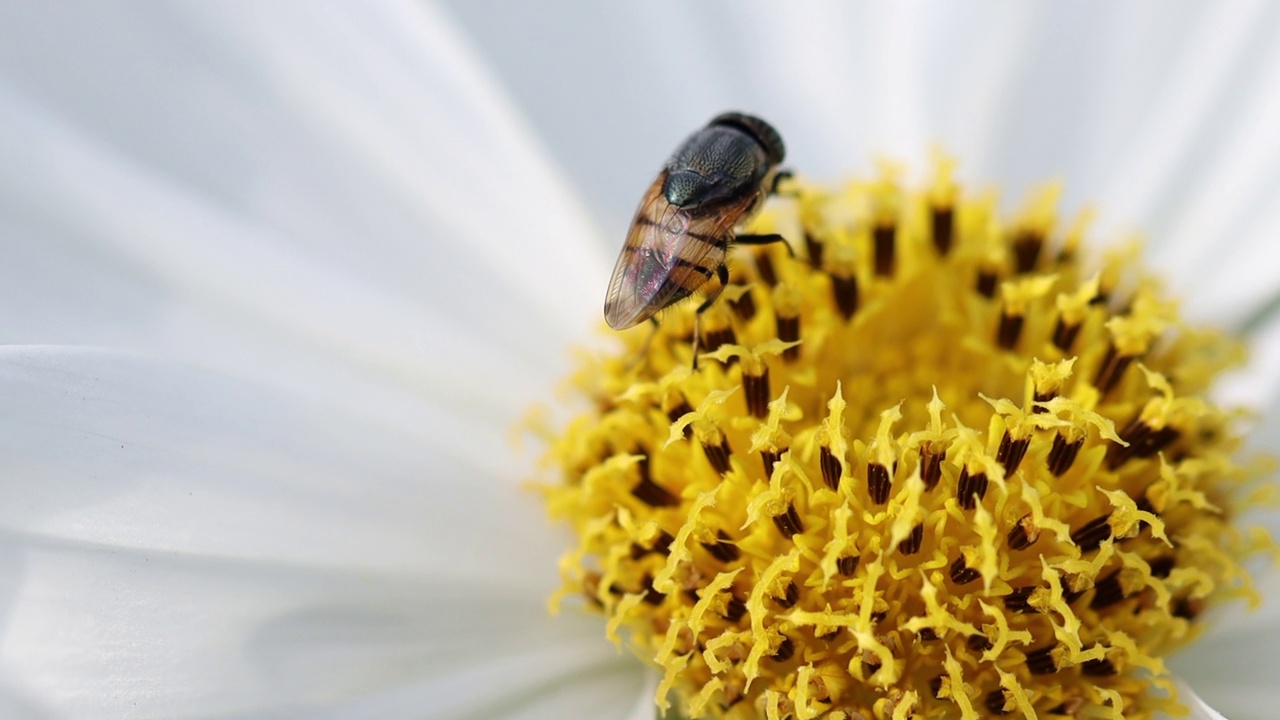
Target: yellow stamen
[{"x": 933, "y": 466}]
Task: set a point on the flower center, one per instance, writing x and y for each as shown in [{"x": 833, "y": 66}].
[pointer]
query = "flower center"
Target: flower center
[{"x": 934, "y": 465}]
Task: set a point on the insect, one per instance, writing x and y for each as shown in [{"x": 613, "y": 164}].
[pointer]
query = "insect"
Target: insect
[{"x": 713, "y": 183}]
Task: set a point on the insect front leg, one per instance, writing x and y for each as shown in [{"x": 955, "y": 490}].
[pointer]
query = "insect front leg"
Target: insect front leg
[
  {"x": 780, "y": 177},
  {"x": 767, "y": 239},
  {"x": 722, "y": 274}
]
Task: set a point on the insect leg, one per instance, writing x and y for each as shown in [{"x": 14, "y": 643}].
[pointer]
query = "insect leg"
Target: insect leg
[
  {"x": 722, "y": 274},
  {"x": 644, "y": 349},
  {"x": 779, "y": 178},
  {"x": 769, "y": 239}
]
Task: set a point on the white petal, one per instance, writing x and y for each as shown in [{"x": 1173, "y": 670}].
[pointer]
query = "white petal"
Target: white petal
[
  {"x": 1233, "y": 666},
  {"x": 1200, "y": 710},
  {"x": 611, "y": 88},
  {"x": 179, "y": 540},
  {"x": 645, "y": 707},
  {"x": 1177, "y": 99},
  {"x": 110, "y": 632},
  {"x": 1243, "y": 277},
  {"x": 117, "y": 451},
  {"x": 1237, "y": 184},
  {"x": 246, "y": 162}
]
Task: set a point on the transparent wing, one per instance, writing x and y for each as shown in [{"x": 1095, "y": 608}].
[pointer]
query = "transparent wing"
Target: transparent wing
[{"x": 669, "y": 254}]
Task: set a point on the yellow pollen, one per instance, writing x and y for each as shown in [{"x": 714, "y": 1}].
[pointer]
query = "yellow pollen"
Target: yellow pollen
[{"x": 931, "y": 465}]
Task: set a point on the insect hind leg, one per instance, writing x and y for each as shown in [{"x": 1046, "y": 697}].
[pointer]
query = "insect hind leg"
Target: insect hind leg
[
  {"x": 644, "y": 349},
  {"x": 722, "y": 274}
]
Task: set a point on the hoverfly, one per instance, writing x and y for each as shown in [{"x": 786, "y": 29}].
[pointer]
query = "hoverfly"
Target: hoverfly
[{"x": 713, "y": 183}]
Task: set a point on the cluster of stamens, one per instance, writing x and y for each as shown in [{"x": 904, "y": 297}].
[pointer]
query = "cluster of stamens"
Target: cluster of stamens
[{"x": 931, "y": 465}]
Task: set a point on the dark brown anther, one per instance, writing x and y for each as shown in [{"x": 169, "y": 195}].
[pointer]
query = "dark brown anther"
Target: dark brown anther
[
  {"x": 764, "y": 266},
  {"x": 791, "y": 597},
  {"x": 910, "y": 545},
  {"x": 1064, "y": 334},
  {"x": 885, "y": 236},
  {"x": 789, "y": 331},
  {"x": 1090, "y": 535},
  {"x": 1041, "y": 662},
  {"x": 878, "y": 483},
  {"x": 770, "y": 459},
  {"x": 1107, "y": 592},
  {"x": 927, "y": 634},
  {"x": 962, "y": 574},
  {"x": 756, "y": 389},
  {"x": 1026, "y": 251},
  {"x": 845, "y": 292},
  {"x": 978, "y": 643},
  {"x": 1069, "y": 595},
  {"x": 1063, "y": 454},
  {"x": 678, "y": 412},
  {"x": 692, "y": 596},
  {"x": 785, "y": 650},
  {"x": 878, "y": 616},
  {"x": 1070, "y": 707},
  {"x": 789, "y": 522},
  {"x": 734, "y": 609},
  {"x": 986, "y": 284},
  {"x": 1023, "y": 533},
  {"x": 725, "y": 706},
  {"x": 1009, "y": 330},
  {"x": 1162, "y": 566},
  {"x": 591, "y": 588},
  {"x": 1011, "y": 452},
  {"x": 970, "y": 489},
  {"x": 1037, "y": 398},
  {"x": 1187, "y": 609},
  {"x": 814, "y": 247},
  {"x": 1111, "y": 370},
  {"x": 745, "y": 306},
  {"x": 723, "y": 549},
  {"x": 1157, "y": 441},
  {"x": 944, "y": 228},
  {"x": 827, "y": 633},
  {"x": 848, "y": 565},
  {"x": 930, "y": 466},
  {"x": 652, "y": 596},
  {"x": 1018, "y": 601},
  {"x": 831, "y": 467},
  {"x": 995, "y": 702},
  {"x": 935, "y": 685},
  {"x": 714, "y": 339},
  {"x": 718, "y": 455},
  {"x": 1101, "y": 667},
  {"x": 1143, "y": 503},
  {"x": 1144, "y": 442},
  {"x": 649, "y": 492},
  {"x": 661, "y": 546}
]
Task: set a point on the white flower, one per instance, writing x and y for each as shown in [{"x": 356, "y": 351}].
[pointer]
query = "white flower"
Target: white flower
[{"x": 279, "y": 277}]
